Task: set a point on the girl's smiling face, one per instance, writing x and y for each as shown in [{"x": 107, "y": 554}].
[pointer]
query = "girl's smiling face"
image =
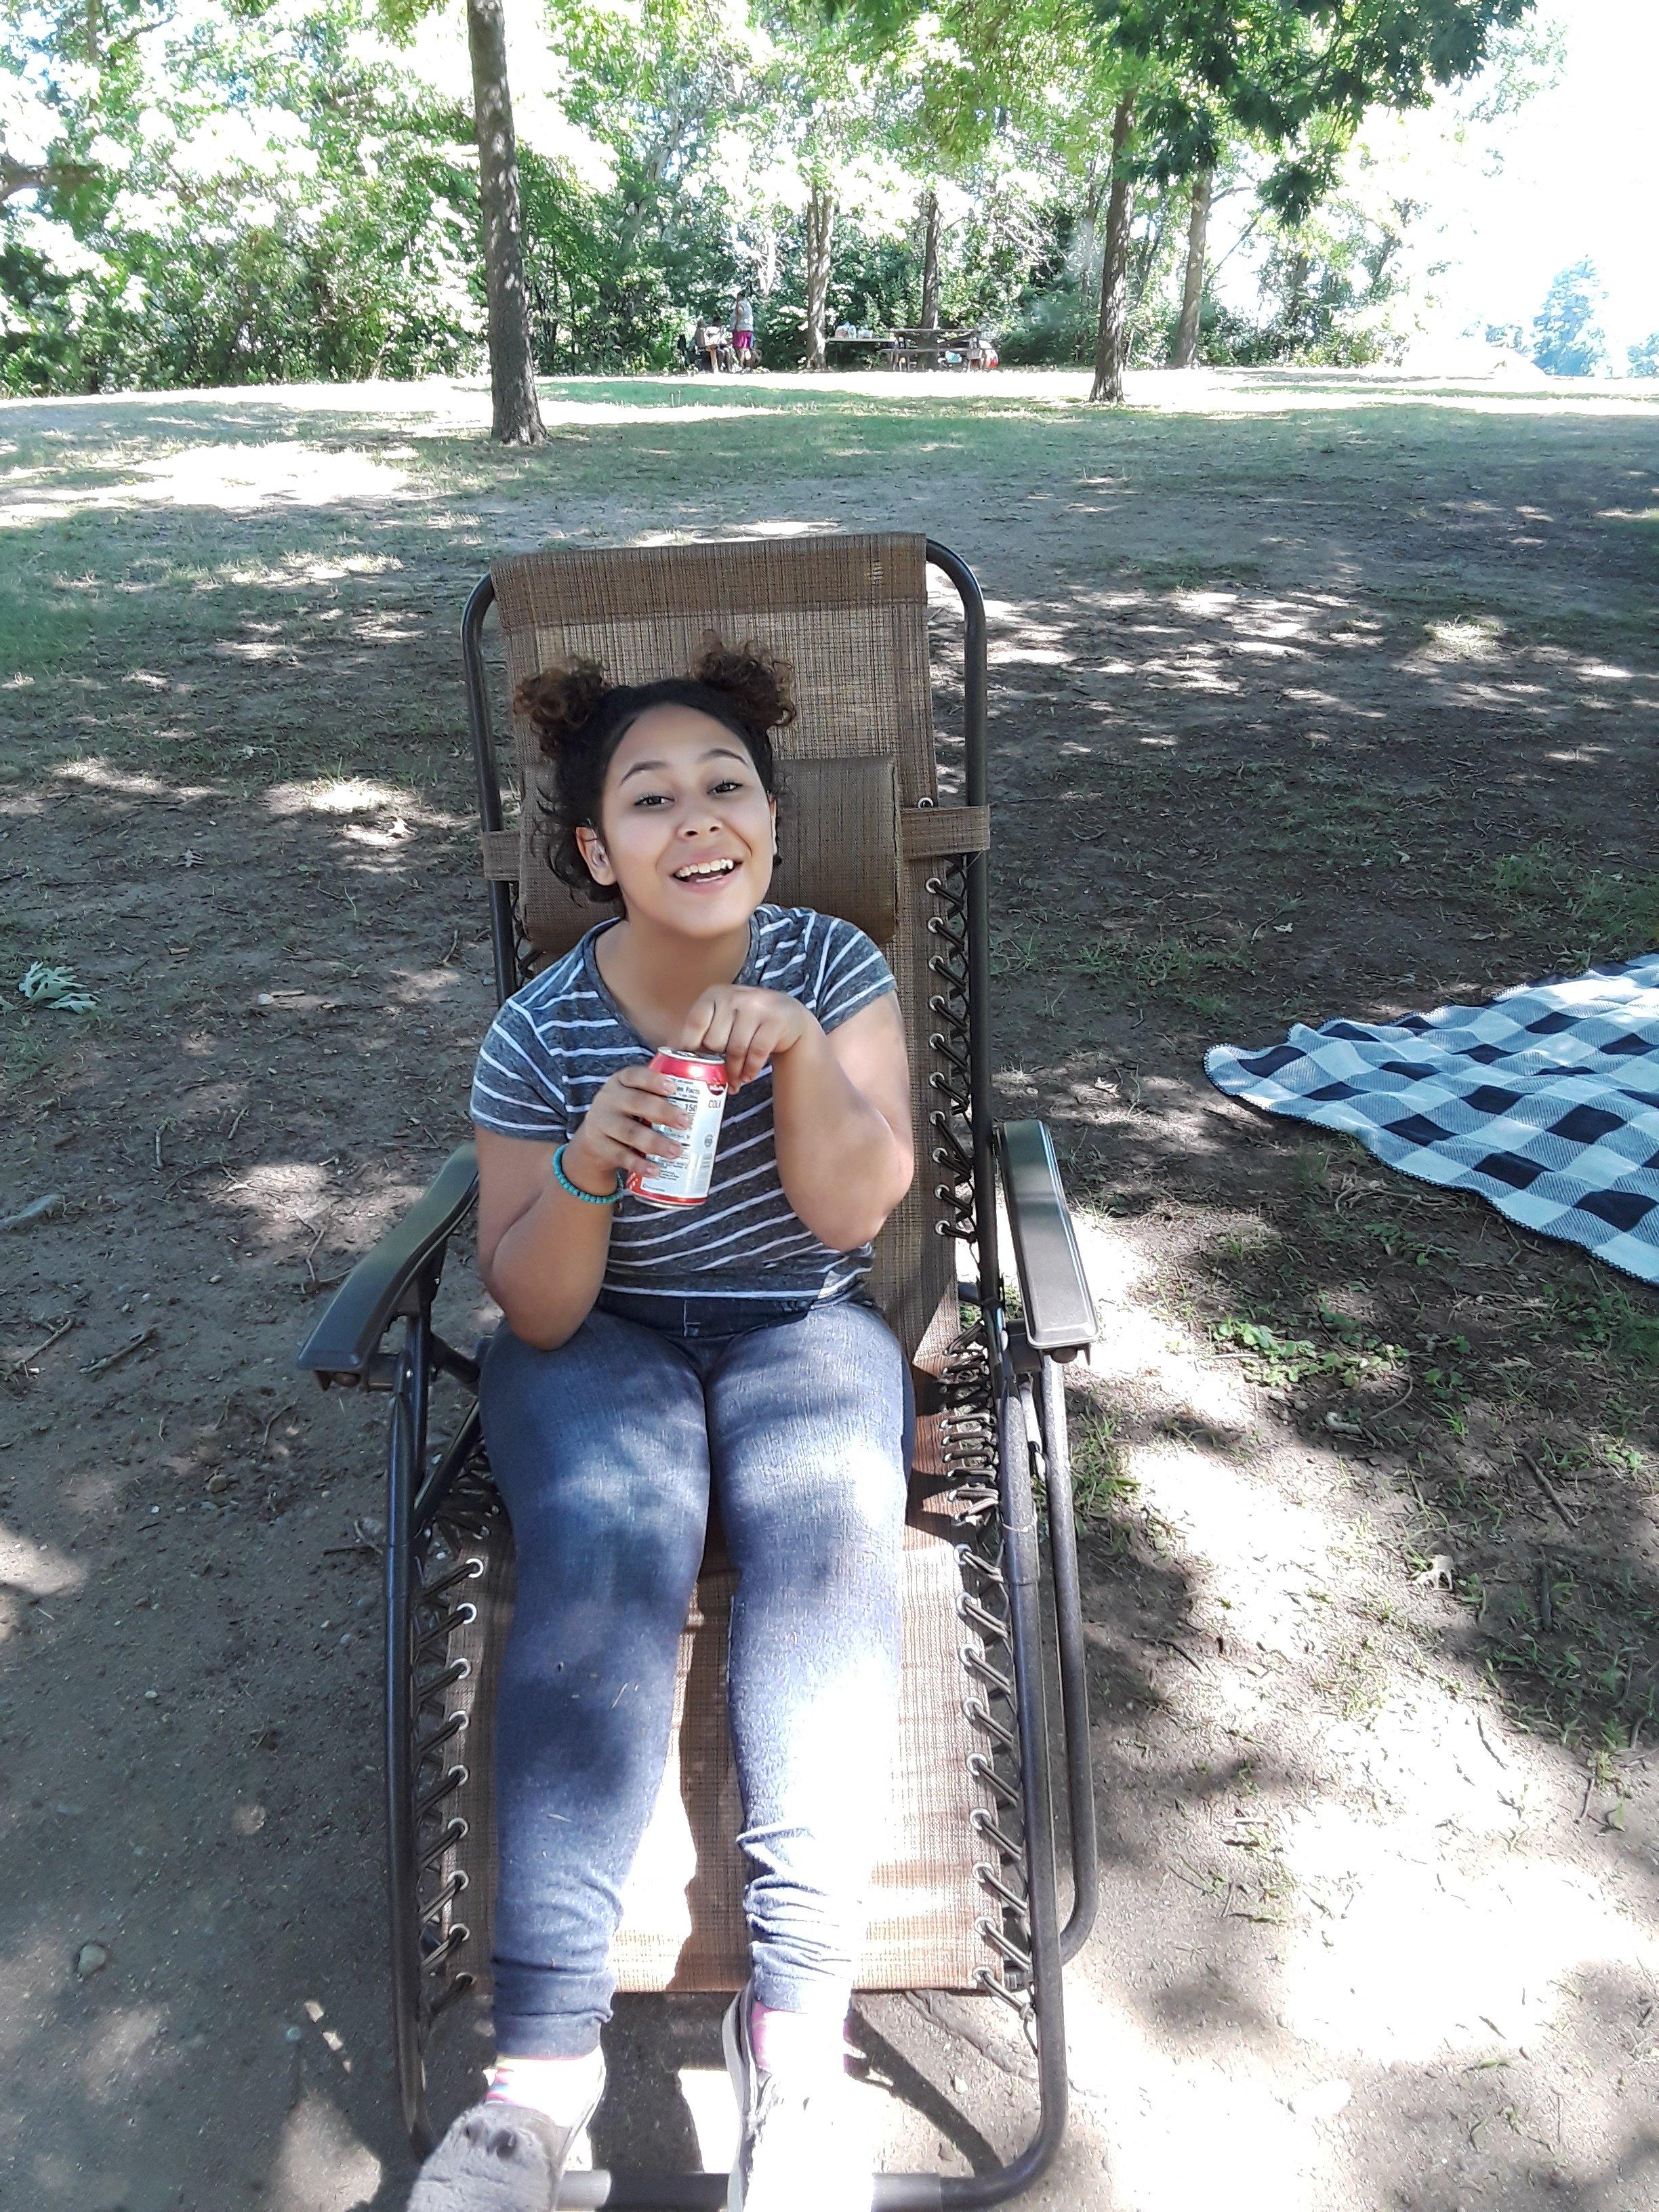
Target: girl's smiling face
[{"x": 686, "y": 827}]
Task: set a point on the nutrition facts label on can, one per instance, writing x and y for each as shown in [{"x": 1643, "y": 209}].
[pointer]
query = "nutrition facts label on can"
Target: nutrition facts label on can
[{"x": 699, "y": 1085}]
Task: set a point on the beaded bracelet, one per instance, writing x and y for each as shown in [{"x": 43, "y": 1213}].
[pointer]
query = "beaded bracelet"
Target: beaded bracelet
[{"x": 587, "y": 1197}]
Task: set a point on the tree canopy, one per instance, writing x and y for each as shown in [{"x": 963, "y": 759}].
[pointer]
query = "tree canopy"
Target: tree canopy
[
  {"x": 216, "y": 191},
  {"x": 1567, "y": 338}
]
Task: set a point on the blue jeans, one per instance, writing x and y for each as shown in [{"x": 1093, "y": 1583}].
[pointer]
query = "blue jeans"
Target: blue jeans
[{"x": 798, "y": 1419}]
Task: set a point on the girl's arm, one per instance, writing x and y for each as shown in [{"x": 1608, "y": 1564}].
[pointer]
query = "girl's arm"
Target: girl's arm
[
  {"x": 842, "y": 1111},
  {"x": 541, "y": 1252},
  {"x": 841, "y": 1101}
]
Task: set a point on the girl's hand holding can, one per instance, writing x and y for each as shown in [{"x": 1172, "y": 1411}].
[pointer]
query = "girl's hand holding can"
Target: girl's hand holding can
[
  {"x": 621, "y": 1131},
  {"x": 745, "y": 1028}
]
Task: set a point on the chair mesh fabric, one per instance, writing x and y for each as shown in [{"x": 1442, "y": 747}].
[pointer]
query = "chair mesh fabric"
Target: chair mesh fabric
[{"x": 683, "y": 1925}]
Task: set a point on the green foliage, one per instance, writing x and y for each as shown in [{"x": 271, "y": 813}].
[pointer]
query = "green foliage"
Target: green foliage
[
  {"x": 1567, "y": 340},
  {"x": 1329, "y": 290},
  {"x": 1643, "y": 357},
  {"x": 263, "y": 195},
  {"x": 1281, "y": 1362},
  {"x": 240, "y": 192},
  {"x": 1297, "y": 76},
  {"x": 1189, "y": 81},
  {"x": 602, "y": 300}
]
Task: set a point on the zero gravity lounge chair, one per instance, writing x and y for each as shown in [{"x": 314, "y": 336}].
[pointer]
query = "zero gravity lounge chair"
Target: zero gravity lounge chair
[{"x": 966, "y": 1892}]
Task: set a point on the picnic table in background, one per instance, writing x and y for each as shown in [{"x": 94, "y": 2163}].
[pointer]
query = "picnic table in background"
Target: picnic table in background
[
  {"x": 914, "y": 346},
  {"x": 712, "y": 342},
  {"x": 878, "y": 342}
]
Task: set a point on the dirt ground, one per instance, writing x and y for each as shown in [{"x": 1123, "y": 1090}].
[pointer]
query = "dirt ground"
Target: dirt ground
[{"x": 1311, "y": 695}]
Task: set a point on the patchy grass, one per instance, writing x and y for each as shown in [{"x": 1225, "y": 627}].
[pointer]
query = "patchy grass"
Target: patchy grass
[
  {"x": 1573, "y": 1651},
  {"x": 40, "y": 630},
  {"x": 32, "y": 1050},
  {"x": 1193, "y": 575},
  {"x": 1355, "y": 1683},
  {"x": 1552, "y": 892},
  {"x": 1101, "y": 1484},
  {"x": 1124, "y": 970},
  {"x": 1348, "y": 1357},
  {"x": 1328, "y": 819},
  {"x": 1108, "y": 1501},
  {"x": 1279, "y": 670},
  {"x": 1174, "y": 969},
  {"x": 1023, "y": 951},
  {"x": 1514, "y": 1402},
  {"x": 1215, "y": 813},
  {"x": 1468, "y": 637}
]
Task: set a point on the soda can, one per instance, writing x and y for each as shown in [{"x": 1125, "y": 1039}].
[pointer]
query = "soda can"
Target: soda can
[{"x": 700, "y": 1084}]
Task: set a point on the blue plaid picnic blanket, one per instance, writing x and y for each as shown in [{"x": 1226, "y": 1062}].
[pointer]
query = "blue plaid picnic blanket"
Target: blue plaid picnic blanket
[{"x": 1546, "y": 1101}]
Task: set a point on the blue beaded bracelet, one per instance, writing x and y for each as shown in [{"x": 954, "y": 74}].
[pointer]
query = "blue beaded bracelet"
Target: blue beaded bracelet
[{"x": 587, "y": 1197}]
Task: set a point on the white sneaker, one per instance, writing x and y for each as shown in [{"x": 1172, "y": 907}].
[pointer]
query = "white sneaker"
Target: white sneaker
[
  {"x": 799, "y": 2150},
  {"x": 502, "y": 2157}
]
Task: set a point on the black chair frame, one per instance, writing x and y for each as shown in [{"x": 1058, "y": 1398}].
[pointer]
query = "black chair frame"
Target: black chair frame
[{"x": 1004, "y": 1428}]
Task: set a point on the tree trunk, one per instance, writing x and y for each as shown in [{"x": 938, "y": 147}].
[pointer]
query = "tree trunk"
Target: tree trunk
[
  {"x": 628, "y": 238},
  {"x": 765, "y": 261},
  {"x": 820, "y": 234},
  {"x": 1142, "y": 263},
  {"x": 42, "y": 176},
  {"x": 516, "y": 416},
  {"x": 1184, "y": 352},
  {"x": 1296, "y": 296},
  {"x": 932, "y": 226},
  {"x": 1110, "y": 346},
  {"x": 1088, "y": 234}
]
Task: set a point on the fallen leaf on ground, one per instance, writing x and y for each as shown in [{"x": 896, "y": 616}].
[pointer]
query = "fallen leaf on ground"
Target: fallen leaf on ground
[
  {"x": 55, "y": 987},
  {"x": 38, "y": 1209}
]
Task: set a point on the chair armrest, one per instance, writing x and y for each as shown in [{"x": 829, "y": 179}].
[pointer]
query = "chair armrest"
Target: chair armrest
[
  {"x": 1059, "y": 1307},
  {"x": 345, "y": 1340}
]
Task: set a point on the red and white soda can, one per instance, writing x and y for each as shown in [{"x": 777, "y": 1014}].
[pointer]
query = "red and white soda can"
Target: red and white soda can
[{"x": 700, "y": 1084}]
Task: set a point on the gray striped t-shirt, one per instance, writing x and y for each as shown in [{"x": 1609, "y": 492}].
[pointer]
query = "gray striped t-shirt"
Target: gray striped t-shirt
[{"x": 555, "y": 1043}]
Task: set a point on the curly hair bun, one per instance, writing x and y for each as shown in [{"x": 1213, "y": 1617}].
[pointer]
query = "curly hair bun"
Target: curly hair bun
[
  {"x": 758, "y": 682},
  {"x": 562, "y": 700}
]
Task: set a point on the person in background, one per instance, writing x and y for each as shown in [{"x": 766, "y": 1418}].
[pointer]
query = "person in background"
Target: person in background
[{"x": 742, "y": 331}]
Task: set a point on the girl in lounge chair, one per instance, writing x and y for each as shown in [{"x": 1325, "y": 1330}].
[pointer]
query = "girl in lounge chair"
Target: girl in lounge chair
[{"x": 649, "y": 1358}]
